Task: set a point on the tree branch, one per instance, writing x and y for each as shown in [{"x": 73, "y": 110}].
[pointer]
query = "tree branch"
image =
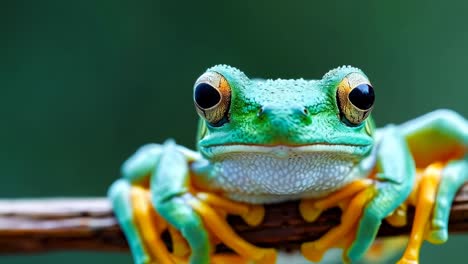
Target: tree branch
[{"x": 88, "y": 224}]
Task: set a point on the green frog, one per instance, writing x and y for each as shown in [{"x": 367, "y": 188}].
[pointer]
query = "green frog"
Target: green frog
[{"x": 270, "y": 141}]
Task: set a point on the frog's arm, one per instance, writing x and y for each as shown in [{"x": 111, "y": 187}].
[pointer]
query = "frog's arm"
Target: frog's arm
[
  {"x": 365, "y": 202},
  {"x": 436, "y": 136},
  {"x": 166, "y": 168},
  {"x": 441, "y": 135},
  {"x": 438, "y": 142},
  {"x": 194, "y": 213},
  {"x": 136, "y": 169},
  {"x": 170, "y": 195},
  {"x": 159, "y": 177},
  {"x": 141, "y": 164},
  {"x": 395, "y": 179},
  {"x": 119, "y": 195}
]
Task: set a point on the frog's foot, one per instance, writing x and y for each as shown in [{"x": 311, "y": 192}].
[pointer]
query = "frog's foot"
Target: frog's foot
[
  {"x": 432, "y": 197},
  {"x": 196, "y": 221},
  {"x": 352, "y": 200},
  {"x": 143, "y": 226},
  {"x": 454, "y": 175},
  {"x": 119, "y": 195},
  {"x": 150, "y": 226},
  {"x": 311, "y": 209},
  {"x": 423, "y": 198},
  {"x": 213, "y": 210},
  {"x": 252, "y": 214}
]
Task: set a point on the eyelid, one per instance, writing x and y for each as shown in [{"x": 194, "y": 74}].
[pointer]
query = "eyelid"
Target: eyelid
[{"x": 355, "y": 79}]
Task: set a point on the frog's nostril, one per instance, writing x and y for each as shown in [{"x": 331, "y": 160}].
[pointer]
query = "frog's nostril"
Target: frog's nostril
[{"x": 260, "y": 112}]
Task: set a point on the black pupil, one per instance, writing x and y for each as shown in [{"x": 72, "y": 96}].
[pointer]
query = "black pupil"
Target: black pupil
[
  {"x": 362, "y": 96},
  {"x": 206, "y": 96}
]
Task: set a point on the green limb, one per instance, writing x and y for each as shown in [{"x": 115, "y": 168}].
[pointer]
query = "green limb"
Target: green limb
[
  {"x": 442, "y": 124},
  {"x": 170, "y": 193},
  {"x": 394, "y": 183},
  {"x": 436, "y": 136},
  {"x": 119, "y": 195},
  {"x": 454, "y": 175},
  {"x": 142, "y": 163}
]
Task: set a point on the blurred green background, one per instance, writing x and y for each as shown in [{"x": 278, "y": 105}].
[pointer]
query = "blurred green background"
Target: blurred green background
[{"x": 85, "y": 83}]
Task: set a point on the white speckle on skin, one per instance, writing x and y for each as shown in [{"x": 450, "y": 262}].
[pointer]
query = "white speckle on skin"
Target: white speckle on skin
[{"x": 265, "y": 178}]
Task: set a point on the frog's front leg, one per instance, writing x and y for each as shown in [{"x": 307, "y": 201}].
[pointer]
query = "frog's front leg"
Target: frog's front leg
[
  {"x": 133, "y": 209},
  {"x": 453, "y": 176},
  {"x": 194, "y": 213},
  {"x": 395, "y": 181},
  {"x": 439, "y": 138},
  {"x": 120, "y": 196},
  {"x": 365, "y": 204},
  {"x": 432, "y": 197},
  {"x": 194, "y": 216}
]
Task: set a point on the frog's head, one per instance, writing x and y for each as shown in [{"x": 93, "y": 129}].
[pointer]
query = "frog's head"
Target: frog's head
[{"x": 284, "y": 117}]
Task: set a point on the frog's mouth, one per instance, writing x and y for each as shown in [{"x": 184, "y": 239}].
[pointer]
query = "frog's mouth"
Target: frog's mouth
[{"x": 284, "y": 151}]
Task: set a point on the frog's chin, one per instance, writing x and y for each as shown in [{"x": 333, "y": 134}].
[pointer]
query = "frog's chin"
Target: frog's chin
[
  {"x": 285, "y": 151},
  {"x": 261, "y": 174}
]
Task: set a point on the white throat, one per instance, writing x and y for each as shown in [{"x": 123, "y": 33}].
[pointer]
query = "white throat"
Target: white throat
[{"x": 282, "y": 174}]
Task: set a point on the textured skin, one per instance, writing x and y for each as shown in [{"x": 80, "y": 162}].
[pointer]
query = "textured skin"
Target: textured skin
[
  {"x": 283, "y": 112},
  {"x": 246, "y": 177},
  {"x": 283, "y": 140},
  {"x": 283, "y": 120}
]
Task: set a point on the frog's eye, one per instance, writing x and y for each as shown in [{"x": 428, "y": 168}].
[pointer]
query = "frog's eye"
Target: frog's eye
[
  {"x": 212, "y": 97},
  {"x": 355, "y": 98}
]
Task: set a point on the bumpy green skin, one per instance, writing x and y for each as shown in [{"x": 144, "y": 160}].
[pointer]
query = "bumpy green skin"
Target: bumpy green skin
[
  {"x": 283, "y": 122},
  {"x": 284, "y": 102}
]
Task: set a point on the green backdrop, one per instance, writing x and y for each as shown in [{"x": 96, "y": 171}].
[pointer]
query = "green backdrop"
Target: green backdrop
[{"x": 84, "y": 83}]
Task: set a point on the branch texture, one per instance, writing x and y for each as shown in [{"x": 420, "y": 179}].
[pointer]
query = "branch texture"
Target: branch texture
[{"x": 88, "y": 224}]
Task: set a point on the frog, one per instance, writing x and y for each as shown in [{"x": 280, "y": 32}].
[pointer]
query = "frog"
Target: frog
[{"x": 267, "y": 141}]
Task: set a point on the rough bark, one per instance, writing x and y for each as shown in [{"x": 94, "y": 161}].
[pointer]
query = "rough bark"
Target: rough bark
[{"x": 89, "y": 224}]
